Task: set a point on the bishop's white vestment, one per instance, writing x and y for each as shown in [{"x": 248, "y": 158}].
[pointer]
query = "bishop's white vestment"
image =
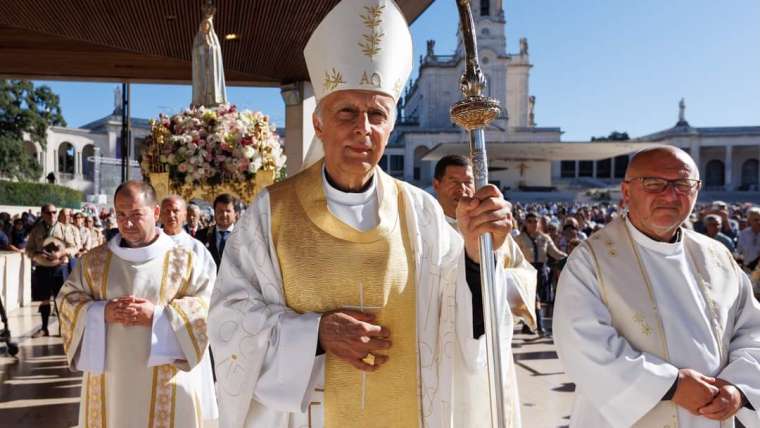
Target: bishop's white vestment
[
  {"x": 138, "y": 376},
  {"x": 297, "y": 252},
  {"x": 632, "y": 311}
]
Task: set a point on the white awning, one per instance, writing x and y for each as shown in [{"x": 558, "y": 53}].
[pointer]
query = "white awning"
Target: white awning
[{"x": 539, "y": 151}]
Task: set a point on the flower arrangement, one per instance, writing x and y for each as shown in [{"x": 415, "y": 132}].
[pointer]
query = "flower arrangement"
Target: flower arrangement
[{"x": 212, "y": 146}]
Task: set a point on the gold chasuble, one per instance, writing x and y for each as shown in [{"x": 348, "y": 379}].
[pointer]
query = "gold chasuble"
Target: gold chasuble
[{"x": 329, "y": 265}]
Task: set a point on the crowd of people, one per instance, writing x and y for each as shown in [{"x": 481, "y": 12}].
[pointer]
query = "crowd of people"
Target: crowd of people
[{"x": 548, "y": 232}]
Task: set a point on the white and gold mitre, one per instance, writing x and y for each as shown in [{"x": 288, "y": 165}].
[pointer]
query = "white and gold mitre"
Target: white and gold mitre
[{"x": 361, "y": 44}]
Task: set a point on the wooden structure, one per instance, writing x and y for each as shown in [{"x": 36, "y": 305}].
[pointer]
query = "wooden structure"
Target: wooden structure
[{"x": 149, "y": 40}]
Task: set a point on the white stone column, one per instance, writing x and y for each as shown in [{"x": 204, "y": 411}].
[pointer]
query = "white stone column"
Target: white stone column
[
  {"x": 299, "y": 129},
  {"x": 694, "y": 152},
  {"x": 409, "y": 149},
  {"x": 729, "y": 170},
  {"x": 594, "y": 168},
  {"x": 96, "y": 171},
  {"x": 77, "y": 163},
  {"x": 612, "y": 168},
  {"x": 577, "y": 169}
]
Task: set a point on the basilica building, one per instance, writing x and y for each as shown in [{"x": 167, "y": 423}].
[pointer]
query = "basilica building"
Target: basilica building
[{"x": 533, "y": 162}]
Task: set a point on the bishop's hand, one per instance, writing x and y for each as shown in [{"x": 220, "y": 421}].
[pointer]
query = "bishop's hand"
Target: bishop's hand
[
  {"x": 351, "y": 336},
  {"x": 485, "y": 212},
  {"x": 694, "y": 390}
]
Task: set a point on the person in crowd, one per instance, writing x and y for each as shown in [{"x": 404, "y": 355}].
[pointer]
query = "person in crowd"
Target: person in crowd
[
  {"x": 538, "y": 248},
  {"x": 193, "y": 220},
  {"x": 19, "y": 234},
  {"x": 748, "y": 248},
  {"x": 571, "y": 230},
  {"x": 50, "y": 246},
  {"x": 713, "y": 230},
  {"x": 215, "y": 237}
]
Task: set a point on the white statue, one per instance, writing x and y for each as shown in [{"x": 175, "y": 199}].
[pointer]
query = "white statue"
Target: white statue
[
  {"x": 531, "y": 111},
  {"x": 208, "y": 68},
  {"x": 523, "y": 46},
  {"x": 681, "y": 111},
  {"x": 117, "y": 99}
]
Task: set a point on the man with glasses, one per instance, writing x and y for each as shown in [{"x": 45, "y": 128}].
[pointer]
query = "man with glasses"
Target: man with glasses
[
  {"x": 657, "y": 324},
  {"x": 50, "y": 246}
]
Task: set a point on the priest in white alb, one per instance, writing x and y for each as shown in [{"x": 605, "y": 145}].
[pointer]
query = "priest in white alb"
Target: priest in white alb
[
  {"x": 656, "y": 324},
  {"x": 344, "y": 297},
  {"x": 173, "y": 216},
  {"x": 133, "y": 319}
]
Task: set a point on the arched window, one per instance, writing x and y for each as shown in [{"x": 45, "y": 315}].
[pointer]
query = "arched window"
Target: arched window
[
  {"x": 88, "y": 164},
  {"x": 485, "y": 7},
  {"x": 750, "y": 171},
  {"x": 66, "y": 159},
  {"x": 715, "y": 173}
]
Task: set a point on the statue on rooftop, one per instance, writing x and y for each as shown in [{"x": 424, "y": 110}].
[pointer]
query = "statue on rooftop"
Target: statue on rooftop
[
  {"x": 531, "y": 111},
  {"x": 681, "y": 111},
  {"x": 208, "y": 68},
  {"x": 523, "y": 46}
]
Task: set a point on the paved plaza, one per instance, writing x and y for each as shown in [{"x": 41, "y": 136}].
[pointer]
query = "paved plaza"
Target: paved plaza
[{"x": 38, "y": 390}]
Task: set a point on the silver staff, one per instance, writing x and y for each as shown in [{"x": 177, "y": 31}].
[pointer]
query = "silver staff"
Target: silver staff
[{"x": 474, "y": 113}]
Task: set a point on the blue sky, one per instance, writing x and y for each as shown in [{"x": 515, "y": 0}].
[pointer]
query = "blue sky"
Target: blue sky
[{"x": 599, "y": 66}]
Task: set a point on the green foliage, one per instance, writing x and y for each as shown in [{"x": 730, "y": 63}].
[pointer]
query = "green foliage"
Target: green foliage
[
  {"x": 25, "y": 112},
  {"x": 37, "y": 194},
  {"x": 614, "y": 136},
  {"x": 15, "y": 162}
]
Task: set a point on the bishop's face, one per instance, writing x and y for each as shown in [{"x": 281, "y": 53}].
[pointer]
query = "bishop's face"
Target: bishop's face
[{"x": 354, "y": 127}]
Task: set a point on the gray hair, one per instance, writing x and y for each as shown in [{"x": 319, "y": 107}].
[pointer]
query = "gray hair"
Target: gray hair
[
  {"x": 193, "y": 207},
  {"x": 713, "y": 218},
  {"x": 173, "y": 198},
  {"x": 754, "y": 211}
]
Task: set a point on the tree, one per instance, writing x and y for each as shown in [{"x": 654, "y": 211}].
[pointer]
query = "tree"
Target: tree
[
  {"x": 614, "y": 136},
  {"x": 26, "y": 112}
]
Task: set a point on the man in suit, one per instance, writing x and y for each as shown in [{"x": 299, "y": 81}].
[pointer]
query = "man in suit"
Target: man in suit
[
  {"x": 193, "y": 220},
  {"x": 215, "y": 237}
]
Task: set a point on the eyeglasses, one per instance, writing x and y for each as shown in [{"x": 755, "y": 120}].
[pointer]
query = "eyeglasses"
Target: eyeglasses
[{"x": 683, "y": 186}]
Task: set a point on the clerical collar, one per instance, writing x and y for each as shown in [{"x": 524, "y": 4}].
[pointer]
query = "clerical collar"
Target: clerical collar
[
  {"x": 334, "y": 194},
  {"x": 664, "y": 248},
  {"x": 158, "y": 248},
  {"x": 369, "y": 185}
]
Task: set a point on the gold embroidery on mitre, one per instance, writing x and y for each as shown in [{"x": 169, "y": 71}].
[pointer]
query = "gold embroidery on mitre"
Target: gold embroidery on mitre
[
  {"x": 372, "y": 80},
  {"x": 371, "y": 44},
  {"x": 333, "y": 79}
]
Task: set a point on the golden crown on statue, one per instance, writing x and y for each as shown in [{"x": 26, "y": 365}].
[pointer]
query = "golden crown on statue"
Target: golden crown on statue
[{"x": 203, "y": 152}]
